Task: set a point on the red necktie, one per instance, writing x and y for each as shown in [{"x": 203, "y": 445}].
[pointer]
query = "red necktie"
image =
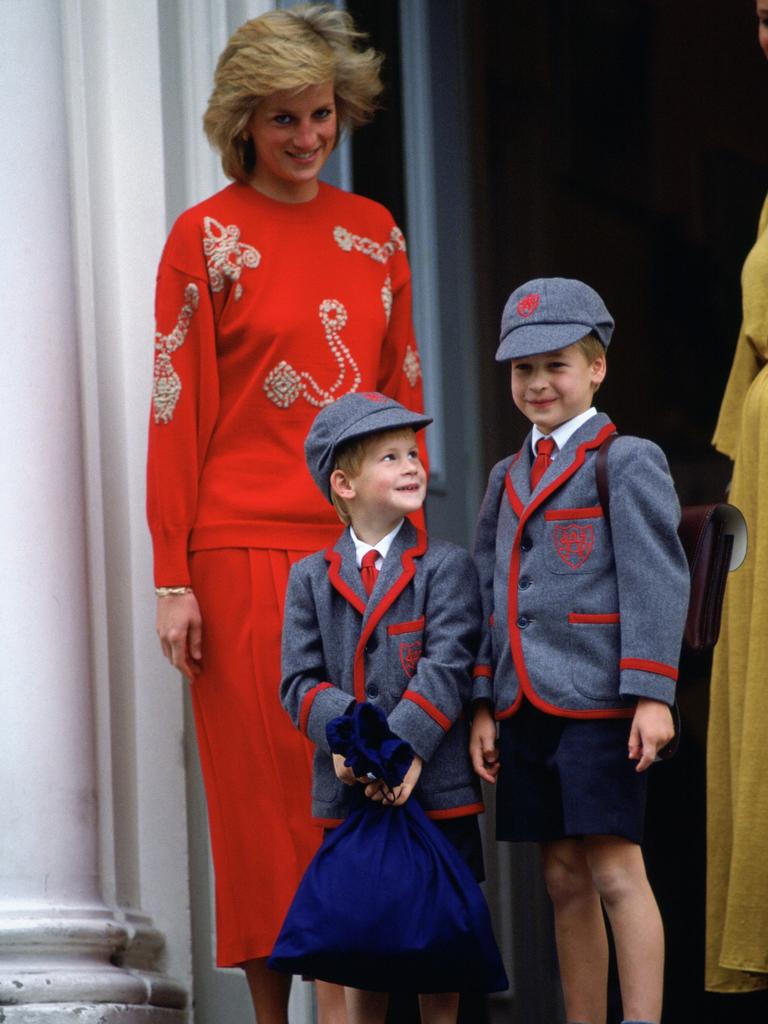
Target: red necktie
[
  {"x": 543, "y": 460},
  {"x": 368, "y": 570}
]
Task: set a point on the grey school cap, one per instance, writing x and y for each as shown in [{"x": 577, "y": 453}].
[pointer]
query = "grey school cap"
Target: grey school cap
[
  {"x": 551, "y": 313},
  {"x": 352, "y": 416}
]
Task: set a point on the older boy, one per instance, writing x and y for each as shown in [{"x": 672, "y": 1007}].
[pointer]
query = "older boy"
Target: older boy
[
  {"x": 389, "y": 617},
  {"x": 584, "y": 624}
]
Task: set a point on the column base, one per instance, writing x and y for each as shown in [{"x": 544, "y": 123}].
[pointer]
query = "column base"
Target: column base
[
  {"x": 80, "y": 1013},
  {"x": 74, "y": 963}
]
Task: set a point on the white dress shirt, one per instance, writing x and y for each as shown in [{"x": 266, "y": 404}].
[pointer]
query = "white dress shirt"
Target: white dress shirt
[
  {"x": 383, "y": 546},
  {"x": 561, "y": 434}
]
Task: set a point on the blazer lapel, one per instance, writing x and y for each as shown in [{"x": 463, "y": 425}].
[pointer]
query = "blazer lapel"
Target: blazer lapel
[
  {"x": 344, "y": 574},
  {"x": 561, "y": 468},
  {"x": 587, "y": 432},
  {"x": 520, "y": 472},
  {"x": 589, "y": 435}
]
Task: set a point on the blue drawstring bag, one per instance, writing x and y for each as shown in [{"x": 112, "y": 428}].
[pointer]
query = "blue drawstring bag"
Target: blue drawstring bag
[
  {"x": 368, "y": 745},
  {"x": 387, "y": 904}
]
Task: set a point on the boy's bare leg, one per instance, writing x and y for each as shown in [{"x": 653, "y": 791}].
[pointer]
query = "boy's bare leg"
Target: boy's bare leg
[
  {"x": 331, "y": 1003},
  {"x": 439, "y": 1007},
  {"x": 269, "y": 991},
  {"x": 618, "y": 871},
  {"x": 582, "y": 943},
  {"x": 366, "y": 1007}
]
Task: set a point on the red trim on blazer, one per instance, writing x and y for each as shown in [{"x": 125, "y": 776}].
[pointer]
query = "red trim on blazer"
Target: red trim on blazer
[
  {"x": 435, "y": 713},
  {"x": 456, "y": 812},
  {"x": 551, "y": 709},
  {"x": 574, "y": 513},
  {"x": 514, "y": 501},
  {"x": 406, "y": 627},
  {"x": 657, "y": 667},
  {"x": 334, "y": 574},
  {"x": 513, "y": 707},
  {"x": 383, "y": 606},
  {"x": 512, "y": 627},
  {"x": 482, "y": 670},
  {"x": 582, "y": 617},
  {"x": 307, "y": 702}
]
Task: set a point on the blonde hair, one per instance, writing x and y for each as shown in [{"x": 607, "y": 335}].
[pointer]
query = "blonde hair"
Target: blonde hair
[
  {"x": 591, "y": 348},
  {"x": 349, "y": 459},
  {"x": 288, "y": 49}
]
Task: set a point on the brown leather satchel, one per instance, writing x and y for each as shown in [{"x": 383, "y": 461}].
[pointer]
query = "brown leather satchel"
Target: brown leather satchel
[{"x": 714, "y": 538}]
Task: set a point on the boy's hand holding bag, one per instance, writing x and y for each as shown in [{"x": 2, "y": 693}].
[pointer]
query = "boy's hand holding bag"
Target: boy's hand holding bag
[{"x": 387, "y": 903}]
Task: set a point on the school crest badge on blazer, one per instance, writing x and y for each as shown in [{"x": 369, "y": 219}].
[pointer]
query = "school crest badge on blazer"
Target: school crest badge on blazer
[
  {"x": 574, "y": 543},
  {"x": 410, "y": 652}
]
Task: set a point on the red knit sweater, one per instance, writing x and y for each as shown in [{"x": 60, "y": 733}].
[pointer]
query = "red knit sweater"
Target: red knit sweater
[{"x": 266, "y": 311}]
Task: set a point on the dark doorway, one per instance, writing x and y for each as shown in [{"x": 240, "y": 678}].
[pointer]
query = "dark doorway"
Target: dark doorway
[{"x": 624, "y": 143}]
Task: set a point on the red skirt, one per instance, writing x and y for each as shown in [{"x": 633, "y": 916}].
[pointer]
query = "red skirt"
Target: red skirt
[{"x": 256, "y": 766}]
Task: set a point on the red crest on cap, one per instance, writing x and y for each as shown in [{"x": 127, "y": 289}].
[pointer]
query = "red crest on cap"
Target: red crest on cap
[
  {"x": 528, "y": 305},
  {"x": 373, "y": 396}
]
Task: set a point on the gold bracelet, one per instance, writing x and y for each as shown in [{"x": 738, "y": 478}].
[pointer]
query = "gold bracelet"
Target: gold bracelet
[{"x": 172, "y": 591}]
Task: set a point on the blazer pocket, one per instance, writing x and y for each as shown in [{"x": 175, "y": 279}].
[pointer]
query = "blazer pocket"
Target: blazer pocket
[
  {"x": 404, "y": 648},
  {"x": 577, "y": 541},
  {"x": 594, "y": 647}
]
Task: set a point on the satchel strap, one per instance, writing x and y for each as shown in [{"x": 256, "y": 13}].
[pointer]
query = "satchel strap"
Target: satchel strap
[{"x": 601, "y": 474}]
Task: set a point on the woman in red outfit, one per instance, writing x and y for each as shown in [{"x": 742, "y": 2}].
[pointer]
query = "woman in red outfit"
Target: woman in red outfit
[{"x": 275, "y": 297}]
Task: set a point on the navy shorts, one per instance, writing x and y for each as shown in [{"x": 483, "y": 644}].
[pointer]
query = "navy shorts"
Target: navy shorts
[{"x": 567, "y": 777}]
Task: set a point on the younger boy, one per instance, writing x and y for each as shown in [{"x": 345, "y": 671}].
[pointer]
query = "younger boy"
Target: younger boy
[
  {"x": 584, "y": 621},
  {"x": 390, "y": 617}
]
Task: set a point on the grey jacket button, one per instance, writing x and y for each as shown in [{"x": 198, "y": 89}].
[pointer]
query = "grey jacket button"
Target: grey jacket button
[
  {"x": 372, "y": 690},
  {"x": 524, "y": 582},
  {"x": 523, "y": 621},
  {"x": 372, "y": 644},
  {"x": 526, "y": 544}
]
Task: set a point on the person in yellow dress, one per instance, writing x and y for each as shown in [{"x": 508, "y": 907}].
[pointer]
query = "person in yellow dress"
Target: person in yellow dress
[{"x": 737, "y": 766}]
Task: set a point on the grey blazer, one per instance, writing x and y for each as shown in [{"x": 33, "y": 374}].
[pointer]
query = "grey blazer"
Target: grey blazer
[
  {"x": 410, "y": 648},
  {"x": 581, "y": 616}
]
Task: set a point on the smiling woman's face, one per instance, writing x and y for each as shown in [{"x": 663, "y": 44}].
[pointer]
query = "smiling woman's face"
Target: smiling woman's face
[
  {"x": 762, "y": 18},
  {"x": 293, "y": 134}
]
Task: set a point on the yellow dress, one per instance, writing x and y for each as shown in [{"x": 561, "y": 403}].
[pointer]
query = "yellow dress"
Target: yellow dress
[{"x": 737, "y": 754}]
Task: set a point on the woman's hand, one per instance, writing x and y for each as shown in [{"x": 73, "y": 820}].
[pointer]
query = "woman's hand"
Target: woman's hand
[
  {"x": 180, "y": 629},
  {"x": 652, "y": 729}
]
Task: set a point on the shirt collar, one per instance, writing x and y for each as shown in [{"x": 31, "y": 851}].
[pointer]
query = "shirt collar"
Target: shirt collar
[
  {"x": 383, "y": 546},
  {"x": 562, "y": 434}
]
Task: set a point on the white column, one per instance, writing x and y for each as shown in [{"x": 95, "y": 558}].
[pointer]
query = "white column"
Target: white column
[
  {"x": 56, "y": 935},
  {"x": 59, "y": 734},
  {"x": 112, "y": 81}
]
